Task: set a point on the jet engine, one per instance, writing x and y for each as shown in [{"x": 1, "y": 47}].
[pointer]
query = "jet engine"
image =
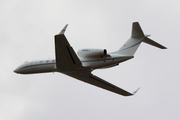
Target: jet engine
[{"x": 92, "y": 53}]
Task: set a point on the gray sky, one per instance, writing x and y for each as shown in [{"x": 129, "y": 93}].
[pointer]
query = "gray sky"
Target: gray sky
[{"x": 27, "y": 30}]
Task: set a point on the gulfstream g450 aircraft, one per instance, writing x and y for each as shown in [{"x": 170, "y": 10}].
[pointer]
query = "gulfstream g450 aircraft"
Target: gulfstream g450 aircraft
[{"x": 81, "y": 65}]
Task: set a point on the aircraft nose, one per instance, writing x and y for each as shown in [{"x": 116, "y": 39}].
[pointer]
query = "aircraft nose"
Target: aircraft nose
[
  {"x": 20, "y": 69},
  {"x": 16, "y": 70}
]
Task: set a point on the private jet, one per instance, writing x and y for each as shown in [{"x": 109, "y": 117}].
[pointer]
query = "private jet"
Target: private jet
[{"x": 81, "y": 65}]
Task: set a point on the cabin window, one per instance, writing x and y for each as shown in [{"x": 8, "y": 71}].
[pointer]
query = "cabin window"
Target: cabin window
[
  {"x": 47, "y": 61},
  {"x": 53, "y": 61},
  {"x": 41, "y": 61}
]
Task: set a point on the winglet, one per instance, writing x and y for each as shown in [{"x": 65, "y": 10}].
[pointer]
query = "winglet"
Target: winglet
[
  {"x": 136, "y": 91},
  {"x": 63, "y": 30}
]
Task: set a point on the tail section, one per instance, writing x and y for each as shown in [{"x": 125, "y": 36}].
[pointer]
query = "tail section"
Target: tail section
[
  {"x": 153, "y": 43},
  {"x": 137, "y": 36},
  {"x": 136, "y": 31}
]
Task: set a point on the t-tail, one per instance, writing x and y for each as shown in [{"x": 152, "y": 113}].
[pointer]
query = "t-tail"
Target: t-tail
[{"x": 137, "y": 36}]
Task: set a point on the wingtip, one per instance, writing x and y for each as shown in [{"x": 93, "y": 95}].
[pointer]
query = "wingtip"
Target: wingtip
[
  {"x": 136, "y": 91},
  {"x": 63, "y": 30},
  {"x": 164, "y": 48}
]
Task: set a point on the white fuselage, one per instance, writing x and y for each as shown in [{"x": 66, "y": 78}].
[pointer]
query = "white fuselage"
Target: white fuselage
[
  {"x": 81, "y": 65},
  {"x": 43, "y": 66}
]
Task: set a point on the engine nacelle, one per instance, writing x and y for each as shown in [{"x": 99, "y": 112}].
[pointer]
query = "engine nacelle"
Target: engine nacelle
[{"x": 92, "y": 52}]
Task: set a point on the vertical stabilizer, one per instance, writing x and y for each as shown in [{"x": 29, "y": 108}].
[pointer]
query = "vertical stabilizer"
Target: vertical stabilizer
[
  {"x": 130, "y": 47},
  {"x": 137, "y": 36},
  {"x": 136, "y": 31}
]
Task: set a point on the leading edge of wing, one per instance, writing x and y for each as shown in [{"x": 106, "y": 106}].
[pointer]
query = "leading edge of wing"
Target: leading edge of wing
[
  {"x": 66, "y": 58},
  {"x": 96, "y": 81}
]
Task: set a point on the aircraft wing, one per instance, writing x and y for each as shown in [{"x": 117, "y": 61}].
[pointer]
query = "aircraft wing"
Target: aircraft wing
[
  {"x": 68, "y": 63},
  {"x": 96, "y": 81},
  {"x": 66, "y": 58}
]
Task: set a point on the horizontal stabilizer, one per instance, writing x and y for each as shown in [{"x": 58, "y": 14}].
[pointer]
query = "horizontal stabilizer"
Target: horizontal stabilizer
[{"x": 153, "y": 43}]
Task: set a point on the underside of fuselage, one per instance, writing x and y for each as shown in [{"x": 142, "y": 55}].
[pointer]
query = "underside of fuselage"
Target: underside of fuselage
[{"x": 104, "y": 62}]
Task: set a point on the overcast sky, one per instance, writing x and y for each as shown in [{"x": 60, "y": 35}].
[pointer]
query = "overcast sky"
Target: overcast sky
[{"x": 27, "y": 29}]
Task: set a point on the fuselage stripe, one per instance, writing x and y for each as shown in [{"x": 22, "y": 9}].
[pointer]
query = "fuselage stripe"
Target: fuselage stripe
[
  {"x": 36, "y": 65},
  {"x": 107, "y": 59},
  {"x": 54, "y": 63},
  {"x": 132, "y": 46}
]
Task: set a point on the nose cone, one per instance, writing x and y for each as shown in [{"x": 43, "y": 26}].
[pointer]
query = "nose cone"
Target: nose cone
[
  {"x": 17, "y": 70},
  {"x": 21, "y": 69}
]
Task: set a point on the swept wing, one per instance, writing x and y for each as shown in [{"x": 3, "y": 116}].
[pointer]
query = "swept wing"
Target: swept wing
[{"x": 68, "y": 63}]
